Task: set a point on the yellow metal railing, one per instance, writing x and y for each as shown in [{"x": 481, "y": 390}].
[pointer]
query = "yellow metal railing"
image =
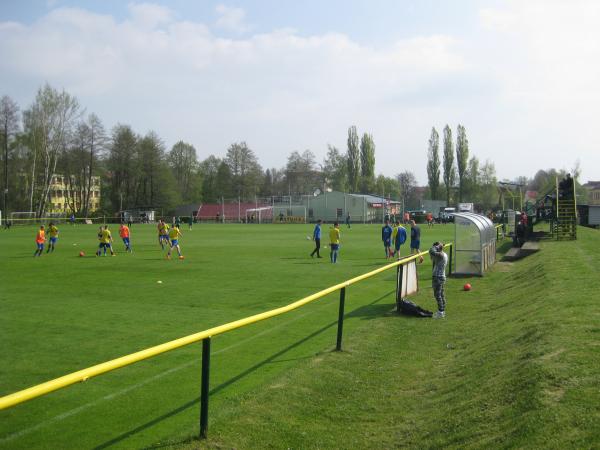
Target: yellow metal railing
[{"x": 99, "y": 369}]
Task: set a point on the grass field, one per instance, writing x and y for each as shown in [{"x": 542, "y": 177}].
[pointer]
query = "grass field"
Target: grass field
[
  {"x": 514, "y": 365},
  {"x": 62, "y": 313}
]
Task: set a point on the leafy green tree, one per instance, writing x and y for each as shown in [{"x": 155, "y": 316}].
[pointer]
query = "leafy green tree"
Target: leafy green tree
[
  {"x": 156, "y": 184},
  {"x": 433, "y": 164},
  {"x": 184, "y": 165},
  {"x": 122, "y": 166},
  {"x": 246, "y": 172},
  {"x": 209, "y": 173},
  {"x": 367, "y": 163},
  {"x": 488, "y": 186},
  {"x": 335, "y": 169},
  {"x": 9, "y": 127},
  {"x": 462, "y": 158},
  {"x": 353, "y": 159},
  {"x": 225, "y": 184},
  {"x": 388, "y": 186},
  {"x": 471, "y": 182},
  {"x": 448, "y": 164}
]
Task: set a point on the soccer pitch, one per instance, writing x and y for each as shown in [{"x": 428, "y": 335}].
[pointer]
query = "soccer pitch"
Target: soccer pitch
[{"x": 62, "y": 313}]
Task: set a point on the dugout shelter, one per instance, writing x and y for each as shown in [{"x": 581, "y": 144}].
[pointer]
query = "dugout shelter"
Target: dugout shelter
[{"x": 474, "y": 244}]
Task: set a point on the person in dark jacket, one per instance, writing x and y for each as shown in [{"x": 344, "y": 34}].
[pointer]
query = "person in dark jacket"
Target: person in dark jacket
[{"x": 317, "y": 238}]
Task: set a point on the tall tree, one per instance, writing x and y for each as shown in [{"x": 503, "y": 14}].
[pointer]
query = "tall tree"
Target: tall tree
[
  {"x": 78, "y": 164},
  {"x": 184, "y": 164},
  {"x": 209, "y": 171},
  {"x": 433, "y": 164},
  {"x": 156, "y": 184},
  {"x": 367, "y": 163},
  {"x": 301, "y": 172},
  {"x": 335, "y": 169},
  {"x": 245, "y": 170},
  {"x": 123, "y": 168},
  {"x": 49, "y": 121},
  {"x": 353, "y": 159},
  {"x": 407, "y": 182},
  {"x": 449, "y": 170},
  {"x": 489, "y": 185},
  {"x": 462, "y": 158},
  {"x": 224, "y": 181},
  {"x": 9, "y": 127},
  {"x": 472, "y": 181}
]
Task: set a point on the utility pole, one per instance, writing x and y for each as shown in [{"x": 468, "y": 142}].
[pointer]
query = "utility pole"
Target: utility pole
[{"x": 5, "y": 205}]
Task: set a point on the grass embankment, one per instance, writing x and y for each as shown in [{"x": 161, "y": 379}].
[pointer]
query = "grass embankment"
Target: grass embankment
[{"x": 516, "y": 364}]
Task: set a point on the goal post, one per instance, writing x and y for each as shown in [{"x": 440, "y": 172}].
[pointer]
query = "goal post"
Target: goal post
[{"x": 29, "y": 218}]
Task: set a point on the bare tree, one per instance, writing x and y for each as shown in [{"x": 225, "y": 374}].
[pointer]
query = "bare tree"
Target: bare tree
[
  {"x": 50, "y": 121},
  {"x": 407, "y": 182}
]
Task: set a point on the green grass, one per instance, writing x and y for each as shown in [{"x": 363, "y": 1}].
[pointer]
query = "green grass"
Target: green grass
[
  {"x": 514, "y": 365},
  {"x": 61, "y": 313}
]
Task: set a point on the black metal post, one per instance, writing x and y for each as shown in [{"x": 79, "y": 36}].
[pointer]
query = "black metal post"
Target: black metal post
[
  {"x": 450, "y": 259},
  {"x": 399, "y": 275},
  {"x": 204, "y": 392},
  {"x": 338, "y": 346}
]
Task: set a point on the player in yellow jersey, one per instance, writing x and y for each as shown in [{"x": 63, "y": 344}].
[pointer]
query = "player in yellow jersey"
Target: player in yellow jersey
[
  {"x": 334, "y": 242},
  {"x": 106, "y": 240},
  {"x": 163, "y": 233},
  {"x": 53, "y": 233},
  {"x": 174, "y": 235}
]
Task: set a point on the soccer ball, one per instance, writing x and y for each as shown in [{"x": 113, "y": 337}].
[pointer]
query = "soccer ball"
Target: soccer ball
[
  {"x": 81, "y": 254},
  {"x": 308, "y": 238},
  {"x": 181, "y": 257},
  {"x": 467, "y": 287}
]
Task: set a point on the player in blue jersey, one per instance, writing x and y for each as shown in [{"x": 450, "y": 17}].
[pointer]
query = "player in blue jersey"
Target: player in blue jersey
[{"x": 386, "y": 237}]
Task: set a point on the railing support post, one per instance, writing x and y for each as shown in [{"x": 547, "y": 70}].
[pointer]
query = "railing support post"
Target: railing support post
[
  {"x": 450, "y": 259},
  {"x": 204, "y": 391},
  {"x": 399, "y": 275},
  {"x": 338, "y": 346}
]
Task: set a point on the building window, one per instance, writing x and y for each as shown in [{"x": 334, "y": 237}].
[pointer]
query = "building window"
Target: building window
[
  {"x": 310, "y": 213},
  {"x": 339, "y": 212}
]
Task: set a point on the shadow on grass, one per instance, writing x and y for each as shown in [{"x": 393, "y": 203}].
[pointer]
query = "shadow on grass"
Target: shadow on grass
[{"x": 368, "y": 311}]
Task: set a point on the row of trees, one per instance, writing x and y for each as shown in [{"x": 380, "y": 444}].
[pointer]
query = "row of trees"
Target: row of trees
[
  {"x": 55, "y": 135},
  {"x": 465, "y": 180}
]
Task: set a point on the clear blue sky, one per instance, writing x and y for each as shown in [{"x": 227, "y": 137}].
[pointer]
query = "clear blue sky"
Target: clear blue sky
[{"x": 284, "y": 76}]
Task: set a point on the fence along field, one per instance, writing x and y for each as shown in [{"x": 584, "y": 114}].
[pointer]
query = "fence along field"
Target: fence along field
[{"x": 184, "y": 341}]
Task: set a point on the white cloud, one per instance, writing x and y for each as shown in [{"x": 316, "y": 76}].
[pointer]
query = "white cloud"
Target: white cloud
[
  {"x": 546, "y": 60},
  {"x": 527, "y": 84},
  {"x": 231, "y": 19},
  {"x": 150, "y": 16},
  {"x": 279, "y": 91}
]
